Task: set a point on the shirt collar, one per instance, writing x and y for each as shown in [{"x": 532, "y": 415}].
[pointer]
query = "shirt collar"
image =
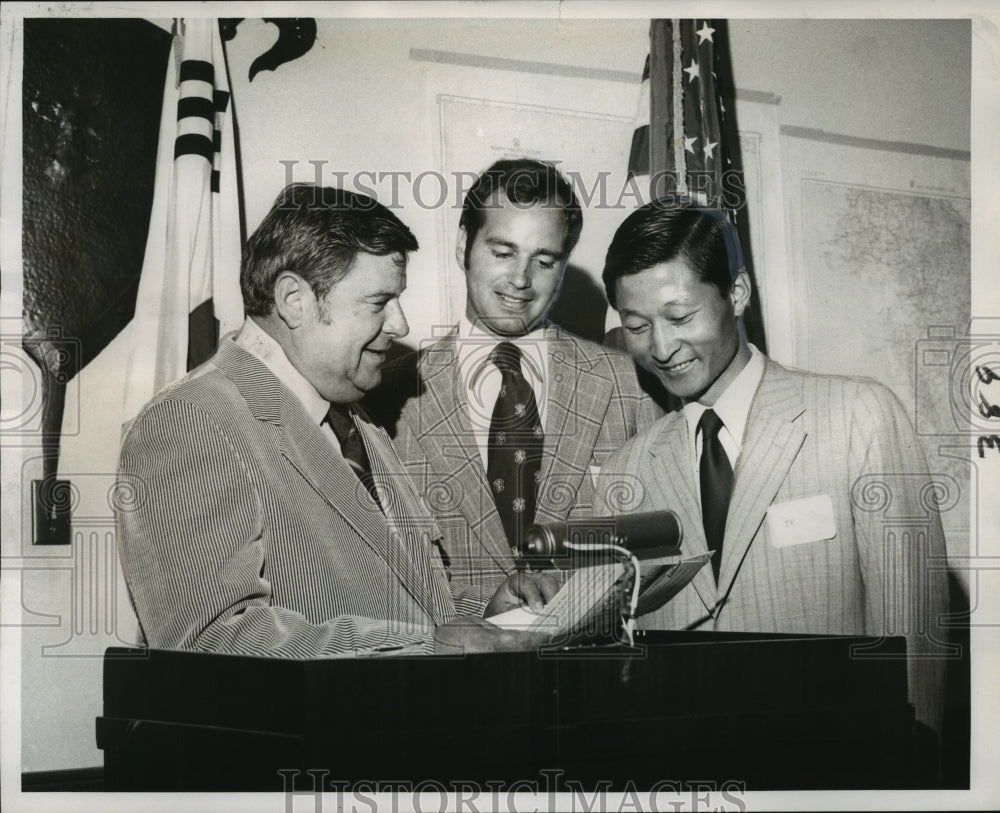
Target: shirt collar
[
  {"x": 259, "y": 343},
  {"x": 733, "y": 406}
]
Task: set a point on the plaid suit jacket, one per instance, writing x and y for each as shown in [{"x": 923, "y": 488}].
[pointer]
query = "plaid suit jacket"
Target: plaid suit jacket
[
  {"x": 883, "y": 571},
  {"x": 249, "y": 534},
  {"x": 594, "y": 404}
]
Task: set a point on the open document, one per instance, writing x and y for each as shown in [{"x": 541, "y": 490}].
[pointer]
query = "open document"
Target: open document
[{"x": 593, "y": 601}]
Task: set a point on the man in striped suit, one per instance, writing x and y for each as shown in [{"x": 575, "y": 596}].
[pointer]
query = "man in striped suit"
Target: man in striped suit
[
  {"x": 788, "y": 476},
  {"x": 270, "y": 518},
  {"x": 506, "y": 381}
]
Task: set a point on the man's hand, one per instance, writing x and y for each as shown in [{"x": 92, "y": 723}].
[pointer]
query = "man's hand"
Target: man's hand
[
  {"x": 468, "y": 634},
  {"x": 523, "y": 588}
]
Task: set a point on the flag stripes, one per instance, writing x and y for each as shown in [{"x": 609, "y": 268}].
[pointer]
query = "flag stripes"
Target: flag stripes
[
  {"x": 678, "y": 146},
  {"x": 194, "y": 144},
  {"x": 201, "y": 99},
  {"x": 196, "y": 106},
  {"x": 638, "y": 157},
  {"x": 189, "y": 289},
  {"x": 685, "y": 140},
  {"x": 197, "y": 70}
]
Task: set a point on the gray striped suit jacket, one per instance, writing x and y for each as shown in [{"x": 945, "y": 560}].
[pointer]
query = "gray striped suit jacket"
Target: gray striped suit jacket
[
  {"x": 807, "y": 436},
  {"x": 594, "y": 404},
  {"x": 249, "y": 534}
]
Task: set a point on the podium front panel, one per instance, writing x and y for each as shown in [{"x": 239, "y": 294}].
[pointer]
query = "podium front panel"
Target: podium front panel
[{"x": 767, "y": 711}]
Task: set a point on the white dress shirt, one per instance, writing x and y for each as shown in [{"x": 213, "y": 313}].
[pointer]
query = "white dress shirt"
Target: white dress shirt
[
  {"x": 480, "y": 378},
  {"x": 733, "y": 409}
]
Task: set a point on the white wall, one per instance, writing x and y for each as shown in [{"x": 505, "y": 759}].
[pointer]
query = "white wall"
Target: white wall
[
  {"x": 358, "y": 101},
  {"x": 894, "y": 80}
]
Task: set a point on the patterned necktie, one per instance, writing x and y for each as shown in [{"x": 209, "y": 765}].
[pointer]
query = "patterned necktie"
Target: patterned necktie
[
  {"x": 716, "y": 475},
  {"x": 515, "y": 446},
  {"x": 352, "y": 446}
]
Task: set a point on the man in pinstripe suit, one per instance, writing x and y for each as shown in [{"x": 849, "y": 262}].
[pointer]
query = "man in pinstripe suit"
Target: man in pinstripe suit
[
  {"x": 520, "y": 222},
  {"x": 261, "y": 530},
  {"x": 800, "y": 459}
]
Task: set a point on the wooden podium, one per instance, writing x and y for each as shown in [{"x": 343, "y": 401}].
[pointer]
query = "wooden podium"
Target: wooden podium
[{"x": 778, "y": 712}]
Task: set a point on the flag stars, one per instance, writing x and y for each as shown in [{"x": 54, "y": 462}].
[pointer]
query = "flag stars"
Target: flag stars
[
  {"x": 709, "y": 148},
  {"x": 692, "y": 71},
  {"x": 705, "y": 33},
  {"x": 689, "y": 144}
]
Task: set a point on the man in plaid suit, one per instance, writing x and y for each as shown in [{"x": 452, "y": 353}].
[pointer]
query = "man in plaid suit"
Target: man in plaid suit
[
  {"x": 519, "y": 223},
  {"x": 270, "y": 517}
]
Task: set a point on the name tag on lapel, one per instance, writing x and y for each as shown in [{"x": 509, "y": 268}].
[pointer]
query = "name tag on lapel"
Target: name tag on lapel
[{"x": 797, "y": 522}]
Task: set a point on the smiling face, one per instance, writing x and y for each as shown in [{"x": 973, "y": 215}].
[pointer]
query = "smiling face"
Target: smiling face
[
  {"x": 682, "y": 328},
  {"x": 341, "y": 344},
  {"x": 515, "y": 265}
]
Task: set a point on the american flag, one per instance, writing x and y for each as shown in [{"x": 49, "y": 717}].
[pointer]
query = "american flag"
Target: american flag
[
  {"x": 685, "y": 141},
  {"x": 680, "y": 145},
  {"x": 189, "y": 290}
]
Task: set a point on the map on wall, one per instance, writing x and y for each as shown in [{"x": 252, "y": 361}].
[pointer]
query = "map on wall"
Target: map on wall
[{"x": 882, "y": 269}]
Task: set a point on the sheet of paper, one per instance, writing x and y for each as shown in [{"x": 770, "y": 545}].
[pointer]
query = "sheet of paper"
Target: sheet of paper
[{"x": 595, "y": 591}]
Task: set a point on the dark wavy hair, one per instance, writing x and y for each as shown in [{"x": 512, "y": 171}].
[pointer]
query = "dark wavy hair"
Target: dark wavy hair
[
  {"x": 316, "y": 231},
  {"x": 525, "y": 182},
  {"x": 674, "y": 228}
]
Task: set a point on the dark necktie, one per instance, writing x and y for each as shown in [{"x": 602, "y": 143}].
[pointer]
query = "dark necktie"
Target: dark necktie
[
  {"x": 514, "y": 454},
  {"x": 716, "y": 475},
  {"x": 352, "y": 446}
]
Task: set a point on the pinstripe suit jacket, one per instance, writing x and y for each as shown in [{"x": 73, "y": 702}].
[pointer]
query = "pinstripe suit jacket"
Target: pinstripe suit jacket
[
  {"x": 882, "y": 572},
  {"x": 249, "y": 534},
  {"x": 593, "y": 404}
]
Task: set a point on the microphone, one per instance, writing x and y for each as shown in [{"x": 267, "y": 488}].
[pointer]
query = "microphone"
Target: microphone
[{"x": 648, "y": 535}]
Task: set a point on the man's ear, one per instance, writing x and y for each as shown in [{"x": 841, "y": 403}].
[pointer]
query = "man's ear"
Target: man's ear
[
  {"x": 463, "y": 236},
  {"x": 291, "y": 298},
  {"x": 739, "y": 293}
]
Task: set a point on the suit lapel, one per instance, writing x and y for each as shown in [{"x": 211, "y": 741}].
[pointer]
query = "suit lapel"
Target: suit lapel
[
  {"x": 772, "y": 439},
  {"x": 576, "y": 400},
  {"x": 675, "y": 488},
  {"x": 410, "y": 521},
  {"x": 445, "y": 436},
  {"x": 304, "y": 445}
]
